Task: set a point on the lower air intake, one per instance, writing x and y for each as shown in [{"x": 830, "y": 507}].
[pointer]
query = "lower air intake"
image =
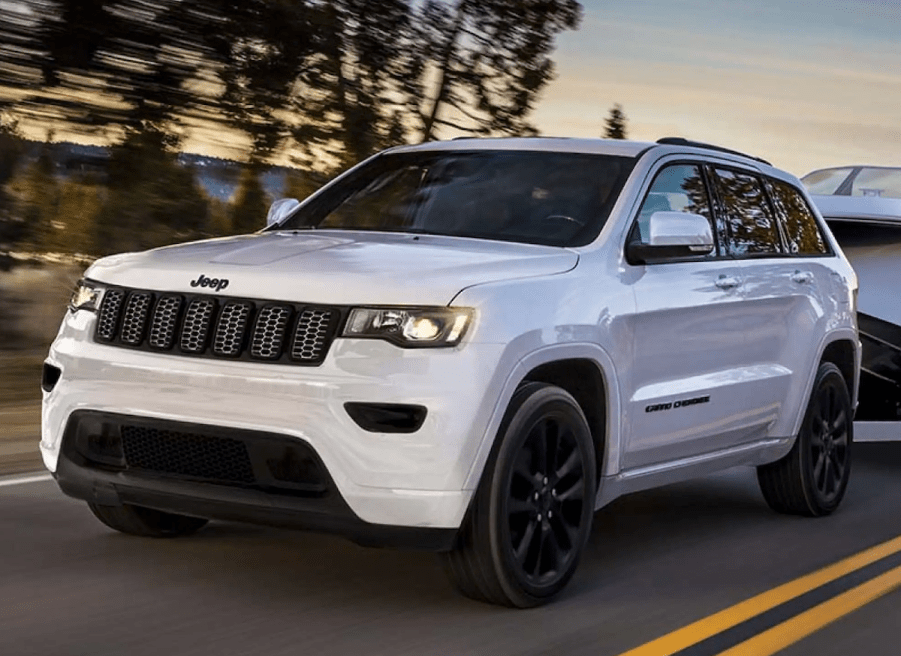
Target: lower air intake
[{"x": 215, "y": 459}]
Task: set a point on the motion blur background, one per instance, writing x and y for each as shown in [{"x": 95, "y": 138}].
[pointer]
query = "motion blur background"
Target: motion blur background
[{"x": 129, "y": 124}]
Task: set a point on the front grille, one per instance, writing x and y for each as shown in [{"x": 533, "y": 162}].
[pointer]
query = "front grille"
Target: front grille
[
  {"x": 219, "y": 459},
  {"x": 210, "y": 326}
]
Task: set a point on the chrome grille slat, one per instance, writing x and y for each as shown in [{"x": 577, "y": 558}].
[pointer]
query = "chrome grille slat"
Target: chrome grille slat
[
  {"x": 310, "y": 335},
  {"x": 231, "y": 328},
  {"x": 215, "y": 327},
  {"x": 164, "y": 322},
  {"x": 196, "y": 327},
  {"x": 269, "y": 332},
  {"x": 134, "y": 322},
  {"x": 108, "y": 321}
]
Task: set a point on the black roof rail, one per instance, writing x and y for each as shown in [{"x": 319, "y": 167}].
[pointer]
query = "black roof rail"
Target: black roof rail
[{"x": 680, "y": 141}]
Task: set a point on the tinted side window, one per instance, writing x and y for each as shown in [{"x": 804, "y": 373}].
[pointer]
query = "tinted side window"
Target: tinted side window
[
  {"x": 750, "y": 225},
  {"x": 677, "y": 188},
  {"x": 801, "y": 229}
]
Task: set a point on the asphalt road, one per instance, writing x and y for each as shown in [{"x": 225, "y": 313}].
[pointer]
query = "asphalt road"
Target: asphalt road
[{"x": 657, "y": 561}]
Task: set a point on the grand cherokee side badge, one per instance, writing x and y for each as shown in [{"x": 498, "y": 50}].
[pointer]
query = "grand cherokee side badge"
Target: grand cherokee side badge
[
  {"x": 217, "y": 284},
  {"x": 683, "y": 403}
]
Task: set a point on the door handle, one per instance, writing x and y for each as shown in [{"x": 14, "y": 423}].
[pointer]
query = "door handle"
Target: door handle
[
  {"x": 726, "y": 282},
  {"x": 802, "y": 277}
]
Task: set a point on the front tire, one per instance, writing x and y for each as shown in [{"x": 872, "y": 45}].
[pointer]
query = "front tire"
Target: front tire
[
  {"x": 146, "y": 522},
  {"x": 531, "y": 516},
  {"x": 811, "y": 480}
]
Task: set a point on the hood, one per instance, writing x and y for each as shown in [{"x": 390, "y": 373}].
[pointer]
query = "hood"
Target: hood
[{"x": 333, "y": 267}]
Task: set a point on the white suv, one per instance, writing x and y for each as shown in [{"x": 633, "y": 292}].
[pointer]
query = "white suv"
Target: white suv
[{"x": 467, "y": 347}]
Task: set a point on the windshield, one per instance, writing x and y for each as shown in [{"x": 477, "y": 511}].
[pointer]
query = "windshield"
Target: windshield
[
  {"x": 549, "y": 198},
  {"x": 826, "y": 181},
  {"x": 876, "y": 181}
]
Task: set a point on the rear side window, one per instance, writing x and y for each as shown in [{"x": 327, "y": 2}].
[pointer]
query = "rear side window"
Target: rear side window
[
  {"x": 751, "y": 228},
  {"x": 801, "y": 229}
]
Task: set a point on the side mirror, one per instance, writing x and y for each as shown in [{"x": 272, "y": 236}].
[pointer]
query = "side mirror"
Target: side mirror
[
  {"x": 673, "y": 235},
  {"x": 279, "y": 210}
]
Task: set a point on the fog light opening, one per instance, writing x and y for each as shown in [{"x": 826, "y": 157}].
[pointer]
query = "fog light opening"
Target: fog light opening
[
  {"x": 387, "y": 417},
  {"x": 50, "y": 377}
]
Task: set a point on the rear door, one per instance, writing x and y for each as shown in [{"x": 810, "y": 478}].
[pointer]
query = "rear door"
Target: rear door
[{"x": 786, "y": 292}]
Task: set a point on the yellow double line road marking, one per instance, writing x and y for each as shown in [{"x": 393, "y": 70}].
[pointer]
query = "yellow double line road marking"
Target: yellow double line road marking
[
  {"x": 801, "y": 626},
  {"x": 790, "y": 631}
]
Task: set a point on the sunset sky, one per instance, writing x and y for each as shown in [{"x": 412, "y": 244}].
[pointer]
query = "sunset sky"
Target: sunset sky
[{"x": 803, "y": 83}]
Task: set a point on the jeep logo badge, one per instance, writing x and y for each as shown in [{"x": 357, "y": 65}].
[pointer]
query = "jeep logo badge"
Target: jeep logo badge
[{"x": 217, "y": 284}]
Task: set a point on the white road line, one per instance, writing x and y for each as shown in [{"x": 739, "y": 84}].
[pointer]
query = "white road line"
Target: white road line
[{"x": 21, "y": 480}]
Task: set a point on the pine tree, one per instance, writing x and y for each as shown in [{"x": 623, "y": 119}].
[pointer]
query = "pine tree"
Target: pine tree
[
  {"x": 151, "y": 200},
  {"x": 482, "y": 63},
  {"x": 615, "y": 124},
  {"x": 12, "y": 229},
  {"x": 34, "y": 193},
  {"x": 251, "y": 203}
]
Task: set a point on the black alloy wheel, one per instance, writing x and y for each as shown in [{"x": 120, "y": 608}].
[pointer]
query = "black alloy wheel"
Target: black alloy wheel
[
  {"x": 812, "y": 479},
  {"x": 545, "y": 496},
  {"x": 531, "y": 515},
  {"x": 830, "y": 441}
]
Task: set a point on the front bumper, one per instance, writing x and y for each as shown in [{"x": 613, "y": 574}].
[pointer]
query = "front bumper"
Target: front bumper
[
  {"x": 402, "y": 479},
  {"x": 284, "y": 484}
]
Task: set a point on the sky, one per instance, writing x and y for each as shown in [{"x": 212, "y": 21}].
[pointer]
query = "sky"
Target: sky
[{"x": 805, "y": 84}]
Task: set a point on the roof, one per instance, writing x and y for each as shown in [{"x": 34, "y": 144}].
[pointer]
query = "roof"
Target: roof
[
  {"x": 548, "y": 144},
  {"x": 669, "y": 145}
]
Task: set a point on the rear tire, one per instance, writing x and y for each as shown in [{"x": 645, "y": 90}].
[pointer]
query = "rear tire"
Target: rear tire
[
  {"x": 146, "y": 522},
  {"x": 811, "y": 480},
  {"x": 531, "y": 515}
]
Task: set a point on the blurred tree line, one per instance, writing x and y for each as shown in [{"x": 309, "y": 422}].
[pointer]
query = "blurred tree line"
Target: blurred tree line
[{"x": 324, "y": 83}]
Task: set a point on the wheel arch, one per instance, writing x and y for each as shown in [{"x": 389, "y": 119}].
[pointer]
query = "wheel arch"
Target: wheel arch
[
  {"x": 841, "y": 348},
  {"x": 842, "y": 353},
  {"x": 586, "y": 372},
  {"x": 583, "y": 379}
]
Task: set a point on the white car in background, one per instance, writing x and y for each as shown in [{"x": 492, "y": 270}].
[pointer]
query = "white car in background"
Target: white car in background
[{"x": 862, "y": 205}]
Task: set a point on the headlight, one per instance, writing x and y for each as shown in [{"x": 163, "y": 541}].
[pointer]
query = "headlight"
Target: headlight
[
  {"x": 86, "y": 296},
  {"x": 410, "y": 327}
]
